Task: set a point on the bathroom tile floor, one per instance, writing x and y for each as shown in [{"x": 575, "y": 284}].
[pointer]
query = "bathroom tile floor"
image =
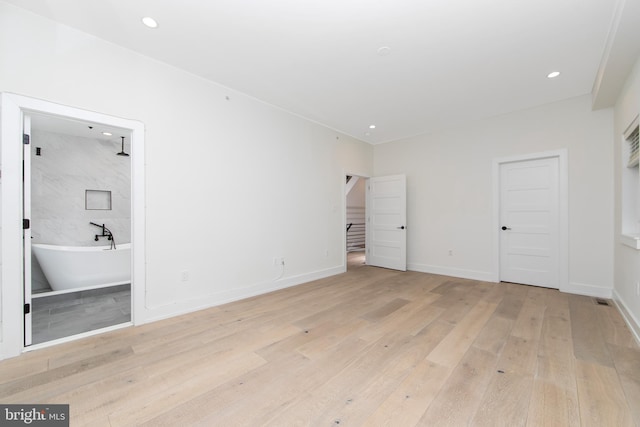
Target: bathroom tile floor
[{"x": 60, "y": 316}]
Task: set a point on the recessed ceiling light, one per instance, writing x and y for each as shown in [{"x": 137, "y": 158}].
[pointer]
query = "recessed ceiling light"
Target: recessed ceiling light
[
  {"x": 384, "y": 51},
  {"x": 107, "y": 133},
  {"x": 372, "y": 126},
  {"x": 150, "y": 22},
  {"x": 553, "y": 74}
]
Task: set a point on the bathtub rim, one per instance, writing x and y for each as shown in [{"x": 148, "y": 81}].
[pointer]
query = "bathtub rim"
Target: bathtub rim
[{"x": 66, "y": 248}]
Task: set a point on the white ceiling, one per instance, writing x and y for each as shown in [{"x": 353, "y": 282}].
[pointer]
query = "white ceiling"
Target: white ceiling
[
  {"x": 66, "y": 126},
  {"x": 450, "y": 61}
]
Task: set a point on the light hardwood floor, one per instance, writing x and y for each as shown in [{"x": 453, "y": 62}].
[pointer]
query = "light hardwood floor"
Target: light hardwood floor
[{"x": 371, "y": 347}]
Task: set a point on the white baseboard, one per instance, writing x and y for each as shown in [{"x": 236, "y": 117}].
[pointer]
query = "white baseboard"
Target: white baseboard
[
  {"x": 484, "y": 276},
  {"x": 627, "y": 315},
  {"x": 201, "y": 302},
  {"x": 587, "y": 290}
]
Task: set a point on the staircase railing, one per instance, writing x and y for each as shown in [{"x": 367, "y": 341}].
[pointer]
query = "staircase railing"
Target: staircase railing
[{"x": 355, "y": 236}]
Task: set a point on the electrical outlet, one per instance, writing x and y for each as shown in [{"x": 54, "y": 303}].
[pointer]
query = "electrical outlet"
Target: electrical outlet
[
  {"x": 278, "y": 261},
  {"x": 184, "y": 276},
  {"x": 450, "y": 252}
]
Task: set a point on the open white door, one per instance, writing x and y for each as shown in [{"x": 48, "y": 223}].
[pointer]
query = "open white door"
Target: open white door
[
  {"x": 386, "y": 238},
  {"x": 530, "y": 222},
  {"x": 26, "y": 209}
]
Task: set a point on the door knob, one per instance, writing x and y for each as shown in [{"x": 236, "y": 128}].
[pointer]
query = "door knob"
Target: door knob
[
  {"x": 504, "y": 227},
  {"x": 401, "y": 227}
]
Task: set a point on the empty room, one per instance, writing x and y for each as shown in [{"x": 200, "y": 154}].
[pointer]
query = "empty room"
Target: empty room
[{"x": 320, "y": 213}]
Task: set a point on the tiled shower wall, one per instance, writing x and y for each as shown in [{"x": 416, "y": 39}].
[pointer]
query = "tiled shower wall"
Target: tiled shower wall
[{"x": 66, "y": 167}]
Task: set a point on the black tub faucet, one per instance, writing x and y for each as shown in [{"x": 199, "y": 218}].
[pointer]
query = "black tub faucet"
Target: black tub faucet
[{"x": 105, "y": 233}]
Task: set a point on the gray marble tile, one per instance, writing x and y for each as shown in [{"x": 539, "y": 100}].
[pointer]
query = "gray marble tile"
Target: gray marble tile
[
  {"x": 67, "y": 166},
  {"x": 64, "y": 315}
]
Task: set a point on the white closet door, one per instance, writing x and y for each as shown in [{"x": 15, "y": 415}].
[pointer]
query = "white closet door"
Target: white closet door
[{"x": 530, "y": 218}]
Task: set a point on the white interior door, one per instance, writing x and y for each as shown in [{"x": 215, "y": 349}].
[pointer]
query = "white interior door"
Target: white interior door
[
  {"x": 530, "y": 222},
  {"x": 26, "y": 209},
  {"x": 386, "y": 236}
]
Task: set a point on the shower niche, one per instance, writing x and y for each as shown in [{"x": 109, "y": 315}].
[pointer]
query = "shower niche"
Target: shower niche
[{"x": 97, "y": 200}]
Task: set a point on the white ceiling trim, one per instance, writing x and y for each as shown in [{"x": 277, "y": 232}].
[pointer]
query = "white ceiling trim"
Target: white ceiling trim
[{"x": 621, "y": 53}]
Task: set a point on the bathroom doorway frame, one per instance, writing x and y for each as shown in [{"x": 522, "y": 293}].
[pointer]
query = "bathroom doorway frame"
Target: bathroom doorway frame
[{"x": 13, "y": 107}]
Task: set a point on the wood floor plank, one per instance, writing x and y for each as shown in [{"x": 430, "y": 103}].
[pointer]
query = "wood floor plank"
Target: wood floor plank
[
  {"x": 492, "y": 337},
  {"x": 346, "y": 308},
  {"x": 368, "y": 347},
  {"x": 332, "y": 340},
  {"x": 14, "y": 369},
  {"x": 158, "y": 332},
  {"x": 519, "y": 355},
  {"x": 510, "y": 306},
  {"x": 176, "y": 390},
  {"x": 601, "y": 399},
  {"x": 346, "y": 387},
  {"x": 461, "y": 394},
  {"x": 588, "y": 341},
  {"x": 382, "y": 312},
  {"x": 12, "y": 388},
  {"x": 96, "y": 400},
  {"x": 556, "y": 361},
  {"x": 508, "y": 394},
  {"x": 280, "y": 348},
  {"x": 458, "y": 302},
  {"x": 529, "y": 321},
  {"x": 453, "y": 347},
  {"x": 554, "y": 399},
  {"x": 506, "y": 399},
  {"x": 552, "y": 405},
  {"x": 380, "y": 385},
  {"x": 627, "y": 363},
  {"x": 411, "y": 318},
  {"x": 614, "y": 330},
  {"x": 217, "y": 399},
  {"x": 445, "y": 287},
  {"x": 399, "y": 376},
  {"x": 407, "y": 403}
]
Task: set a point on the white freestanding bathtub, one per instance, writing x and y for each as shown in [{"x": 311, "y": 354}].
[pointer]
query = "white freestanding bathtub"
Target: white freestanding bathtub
[{"x": 77, "y": 267}]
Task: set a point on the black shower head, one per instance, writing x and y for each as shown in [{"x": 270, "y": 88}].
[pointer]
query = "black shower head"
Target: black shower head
[{"x": 122, "y": 153}]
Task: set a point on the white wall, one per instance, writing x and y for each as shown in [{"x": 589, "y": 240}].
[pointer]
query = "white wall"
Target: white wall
[
  {"x": 230, "y": 184},
  {"x": 449, "y": 189},
  {"x": 627, "y": 259}
]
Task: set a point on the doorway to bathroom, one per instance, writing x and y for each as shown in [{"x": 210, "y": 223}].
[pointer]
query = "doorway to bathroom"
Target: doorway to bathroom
[
  {"x": 103, "y": 218},
  {"x": 77, "y": 197}
]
